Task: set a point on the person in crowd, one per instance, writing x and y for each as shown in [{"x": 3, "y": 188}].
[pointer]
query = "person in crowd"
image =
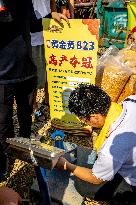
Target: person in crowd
[
  {"x": 17, "y": 71},
  {"x": 116, "y": 159},
  {"x": 41, "y": 9}
]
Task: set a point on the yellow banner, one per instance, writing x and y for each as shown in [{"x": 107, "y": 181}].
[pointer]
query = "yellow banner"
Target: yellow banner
[
  {"x": 131, "y": 30},
  {"x": 71, "y": 57}
]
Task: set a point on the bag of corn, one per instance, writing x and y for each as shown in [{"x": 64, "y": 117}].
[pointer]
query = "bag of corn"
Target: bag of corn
[
  {"x": 129, "y": 89},
  {"x": 128, "y": 58},
  {"x": 102, "y": 62},
  {"x": 114, "y": 80},
  {"x": 113, "y": 70}
]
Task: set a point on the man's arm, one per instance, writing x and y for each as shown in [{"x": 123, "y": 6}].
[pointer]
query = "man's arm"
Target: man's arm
[
  {"x": 56, "y": 16},
  {"x": 53, "y": 6},
  {"x": 104, "y": 168},
  {"x": 83, "y": 173},
  {"x": 71, "y": 8},
  {"x": 86, "y": 174}
]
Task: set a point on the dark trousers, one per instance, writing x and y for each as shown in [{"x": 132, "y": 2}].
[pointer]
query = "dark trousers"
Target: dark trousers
[
  {"x": 23, "y": 93},
  {"x": 107, "y": 191}
]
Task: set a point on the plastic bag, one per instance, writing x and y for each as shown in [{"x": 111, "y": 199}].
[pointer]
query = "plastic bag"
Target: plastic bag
[
  {"x": 102, "y": 61},
  {"x": 129, "y": 89},
  {"x": 111, "y": 51},
  {"x": 114, "y": 80},
  {"x": 128, "y": 58},
  {"x": 112, "y": 74}
]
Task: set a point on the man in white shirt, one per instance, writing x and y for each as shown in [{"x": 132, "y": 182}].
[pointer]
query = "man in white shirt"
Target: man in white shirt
[{"x": 117, "y": 156}]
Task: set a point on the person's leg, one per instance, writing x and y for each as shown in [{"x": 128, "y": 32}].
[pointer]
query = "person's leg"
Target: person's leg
[
  {"x": 46, "y": 93},
  {"x": 39, "y": 61},
  {"x": 42, "y": 74},
  {"x": 24, "y": 99},
  {"x": 35, "y": 58},
  {"x": 107, "y": 191},
  {"x": 46, "y": 81},
  {"x": 6, "y": 121},
  {"x": 38, "y": 54},
  {"x": 133, "y": 196},
  {"x": 6, "y": 112},
  {"x": 35, "y": 106}
]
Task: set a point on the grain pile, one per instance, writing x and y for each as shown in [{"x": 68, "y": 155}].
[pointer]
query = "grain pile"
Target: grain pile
[
  {"x": 114, "y": 80},
  {"x": 20, "y": 178},
  {"x": 128, "y": 57},
  {"x": 129, "y": 89},
  {"x": 116, "y": 73},
  {"x": 88, "y": 201}
]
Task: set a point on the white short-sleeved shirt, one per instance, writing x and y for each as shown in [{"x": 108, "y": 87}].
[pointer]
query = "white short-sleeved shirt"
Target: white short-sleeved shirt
[
  {"x": 118, "y": 153},
  {"x": 37, "y": 38},
  {"x": 41, "y": 9}
]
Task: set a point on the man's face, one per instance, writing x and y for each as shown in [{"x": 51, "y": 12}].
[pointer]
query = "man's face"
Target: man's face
[{"x": 95, "y": 120}]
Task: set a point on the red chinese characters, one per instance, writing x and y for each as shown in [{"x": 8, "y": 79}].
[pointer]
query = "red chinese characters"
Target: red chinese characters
[
  {"x": 85, "y": 63},
  {"x": 73, "y": 61},
  {"x": 53, "y": 60},
  {"x": 62, "y": 58}
]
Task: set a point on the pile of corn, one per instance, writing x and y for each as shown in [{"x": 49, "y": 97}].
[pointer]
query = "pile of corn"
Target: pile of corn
[
  {"x": 117, "y": 74},
  {"x": 88, "y": 201},
  {"x": 114, "y": 80},
  {"x": 20, "y": 178}
]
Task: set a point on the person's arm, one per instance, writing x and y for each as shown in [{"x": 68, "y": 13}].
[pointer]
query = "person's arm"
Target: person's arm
[
  {"x": 86, "y": 175},
  {"x": 55, "y": 15},
  {"x": 83, "y": 173},
  {"x": 108, "y": 163},
  {"x": 9, "y": 197},
  {"x": 71, "y": 8}
]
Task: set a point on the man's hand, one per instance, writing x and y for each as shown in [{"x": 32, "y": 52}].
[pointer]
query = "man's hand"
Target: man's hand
[
  {"x": 9, "y": 197},
  {"x": 64, "y": 164},
  {"x": 61, "y": 164},
  {"x": 58, "y": 16},
  {"x": 82, "y": 173}
]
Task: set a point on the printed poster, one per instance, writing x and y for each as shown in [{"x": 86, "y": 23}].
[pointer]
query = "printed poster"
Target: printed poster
[{"x": 71, "y": 58}]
